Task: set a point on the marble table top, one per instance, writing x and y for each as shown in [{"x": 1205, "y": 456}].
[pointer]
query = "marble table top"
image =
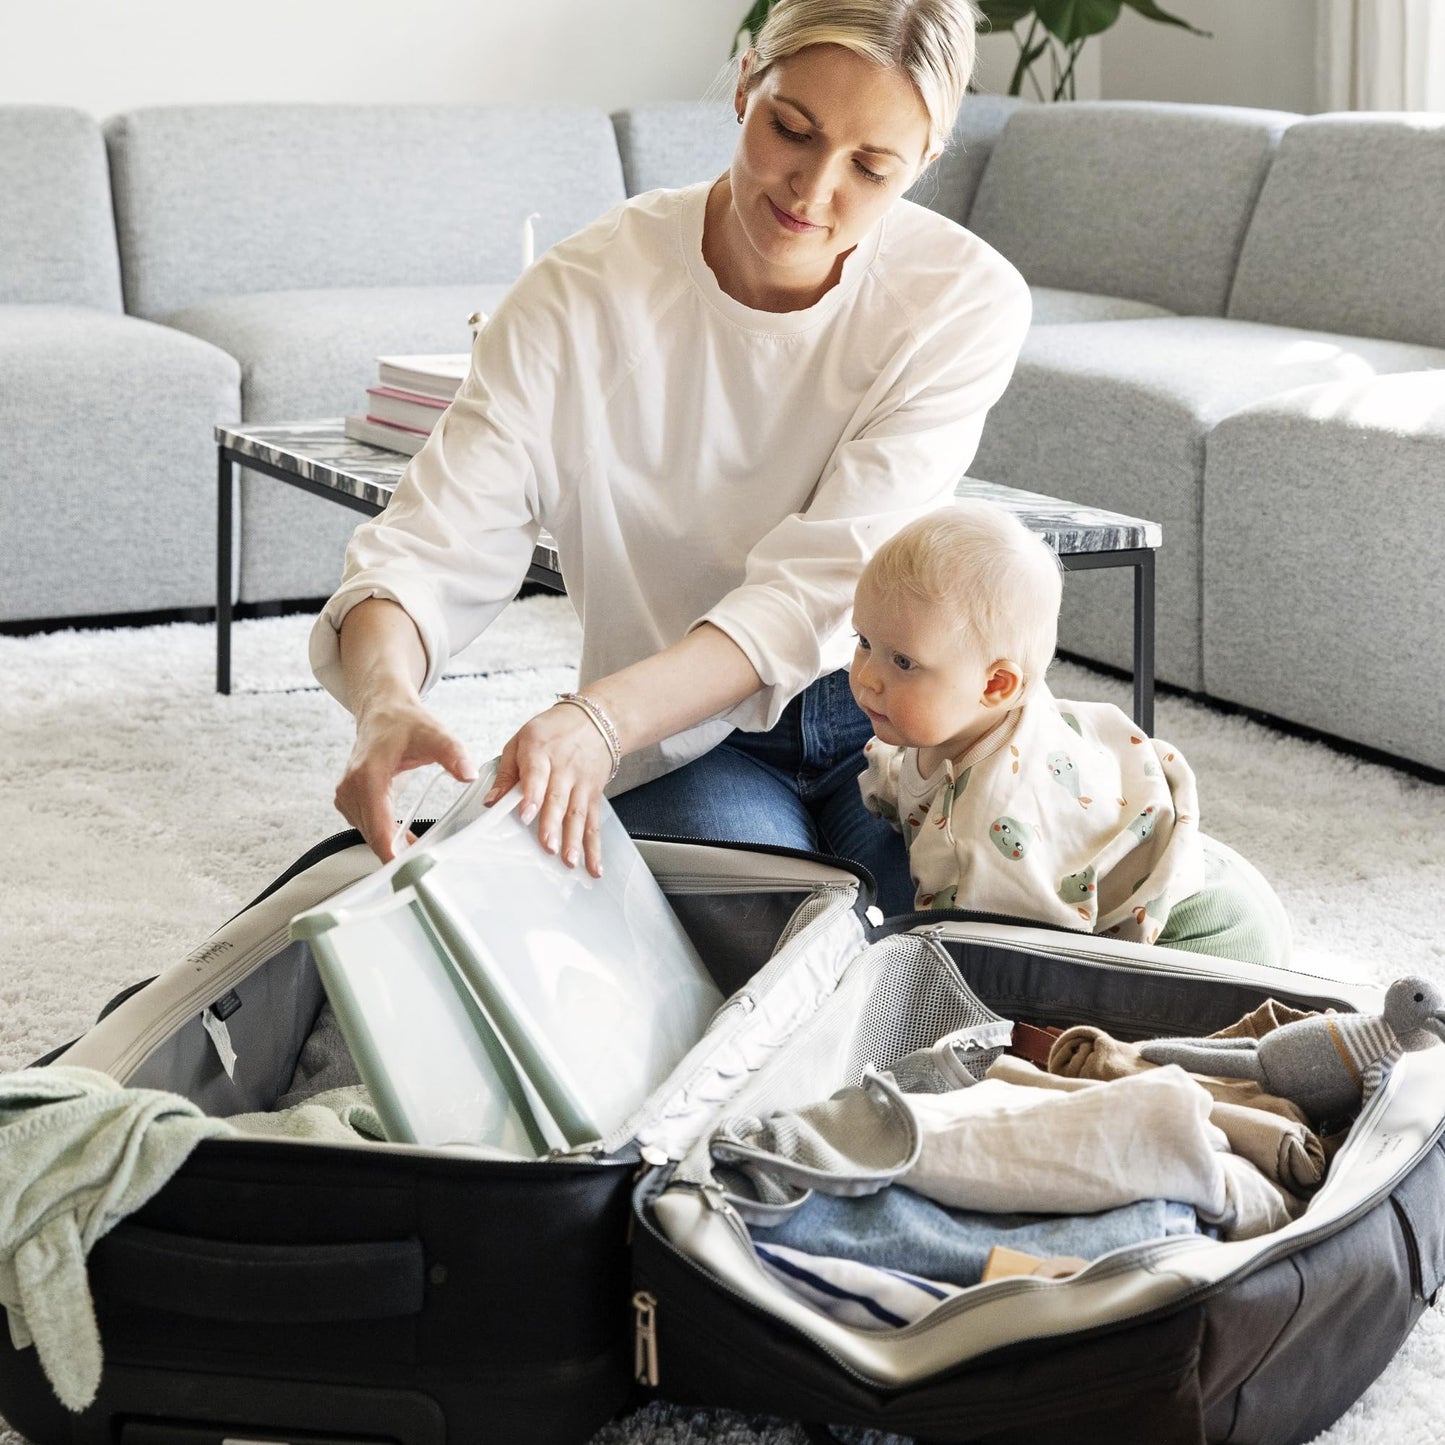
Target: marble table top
[{"x": 321, "y": 452}]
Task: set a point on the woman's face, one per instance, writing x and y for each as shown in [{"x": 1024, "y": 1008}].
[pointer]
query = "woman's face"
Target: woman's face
[{"x": 829, "y": 141}]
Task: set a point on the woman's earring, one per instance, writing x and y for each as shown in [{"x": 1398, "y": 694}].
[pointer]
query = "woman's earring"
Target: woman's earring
[{"x": 740, "y": 117}]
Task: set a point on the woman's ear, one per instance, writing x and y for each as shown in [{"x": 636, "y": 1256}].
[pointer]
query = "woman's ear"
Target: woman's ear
[
  {"x": 927, "y": 161},
  {"x": 1005, "y": 685},
  {"x": 740, "y": 95}
]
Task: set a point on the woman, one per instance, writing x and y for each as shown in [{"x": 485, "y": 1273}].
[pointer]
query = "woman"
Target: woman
[{"x": 719, "y": 400}]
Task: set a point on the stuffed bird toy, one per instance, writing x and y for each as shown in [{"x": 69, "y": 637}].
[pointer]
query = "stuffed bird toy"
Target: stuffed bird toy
[{"x": 1328, "y": 1064}]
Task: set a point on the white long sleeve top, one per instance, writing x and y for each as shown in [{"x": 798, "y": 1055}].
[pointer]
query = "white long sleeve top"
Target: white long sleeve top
[{"x": 695, "y": 460}]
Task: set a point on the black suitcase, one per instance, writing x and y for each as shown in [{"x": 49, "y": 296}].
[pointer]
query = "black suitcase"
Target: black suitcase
[
  {"x": 282, "y": 1290},
  {"x": 1175, "y": 1342},
  {"x": 278, "y": 1290}
]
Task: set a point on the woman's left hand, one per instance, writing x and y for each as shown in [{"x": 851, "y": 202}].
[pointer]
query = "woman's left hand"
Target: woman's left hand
[{"x": 562, "y": 764}]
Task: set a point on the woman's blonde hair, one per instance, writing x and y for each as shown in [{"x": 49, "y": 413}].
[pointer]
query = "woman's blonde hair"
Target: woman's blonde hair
[
  {"x": 997, "y": 583},
  {"x": 932, "y": 41}
]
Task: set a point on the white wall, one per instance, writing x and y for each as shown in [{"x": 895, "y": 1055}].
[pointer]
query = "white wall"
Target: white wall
[
  {"x": 1262, "y": 53},
  {"x": 109, "y": 55}
]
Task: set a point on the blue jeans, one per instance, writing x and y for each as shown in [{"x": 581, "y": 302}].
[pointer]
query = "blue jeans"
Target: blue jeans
[
  {"x": 898, "y": 1229},
  {"x": 795, "y": 785}
]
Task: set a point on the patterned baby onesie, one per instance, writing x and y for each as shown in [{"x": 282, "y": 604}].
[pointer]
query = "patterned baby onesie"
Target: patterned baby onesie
[{"x": 1065, "y": 812}]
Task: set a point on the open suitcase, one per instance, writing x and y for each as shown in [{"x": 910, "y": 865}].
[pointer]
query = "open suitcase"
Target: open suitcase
[{"x": 284, "y": 1290}]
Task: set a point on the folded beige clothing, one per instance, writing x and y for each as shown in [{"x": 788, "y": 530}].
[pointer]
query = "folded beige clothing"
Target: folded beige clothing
[
  {"x": 1084, "y": 1052},
  {"x": 1004, "y": 1147},
  {"x": 1269, "y": 1016},
  {"x": 1286, "y": 1152}
]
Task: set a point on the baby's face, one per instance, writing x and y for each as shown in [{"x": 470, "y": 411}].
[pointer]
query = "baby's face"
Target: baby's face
[{"x": 911, "y": 674}]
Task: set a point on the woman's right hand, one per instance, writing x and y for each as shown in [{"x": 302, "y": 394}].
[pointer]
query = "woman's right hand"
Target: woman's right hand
[{"x": 391, "y": 738}]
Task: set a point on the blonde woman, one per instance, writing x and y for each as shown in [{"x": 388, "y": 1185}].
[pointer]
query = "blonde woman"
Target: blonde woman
[{"x": 720, "y": 400}]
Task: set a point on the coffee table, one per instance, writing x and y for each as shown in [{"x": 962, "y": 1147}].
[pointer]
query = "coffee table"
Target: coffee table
[{"x": 318, "y": 457}]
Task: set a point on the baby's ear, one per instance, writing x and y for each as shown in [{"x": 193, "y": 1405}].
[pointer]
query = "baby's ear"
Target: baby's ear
[{"x": 1005, "y": 685}]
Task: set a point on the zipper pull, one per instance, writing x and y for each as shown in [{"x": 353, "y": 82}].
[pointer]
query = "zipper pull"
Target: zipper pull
[
  {"x": 715, "y": 1199},
  {"x": 644, "y": 1354}
]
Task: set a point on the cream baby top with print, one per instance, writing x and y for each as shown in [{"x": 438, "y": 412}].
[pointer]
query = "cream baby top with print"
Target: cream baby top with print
[{"x": 1066, "y": 813}]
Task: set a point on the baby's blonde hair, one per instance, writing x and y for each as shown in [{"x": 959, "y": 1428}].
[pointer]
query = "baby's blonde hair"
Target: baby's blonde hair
[
  {"x": 933, "y": 42},
  {"x": 995, "y": 581}
]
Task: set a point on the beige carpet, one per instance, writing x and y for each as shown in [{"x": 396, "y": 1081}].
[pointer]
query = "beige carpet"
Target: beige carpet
[{"x": 138, "y": 810}]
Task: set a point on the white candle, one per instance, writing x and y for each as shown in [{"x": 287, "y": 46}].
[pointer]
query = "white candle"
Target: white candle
[{"x": 527, "y": 238}]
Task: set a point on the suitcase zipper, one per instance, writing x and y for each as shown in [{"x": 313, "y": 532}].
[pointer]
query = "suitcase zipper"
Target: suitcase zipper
[{"x": 1158, "y": 961}]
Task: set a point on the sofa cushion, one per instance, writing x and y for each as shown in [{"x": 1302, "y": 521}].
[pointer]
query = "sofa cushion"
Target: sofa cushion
[
  {"x": 674, "y": 143},
  {"x": 107, "y": 463},
  {"x": 230, "y": 199},
  {"x": 950, "y": 185},
  {"x": 1323, "y": 592},
  {"x": 1092, "y": 196},
  {"x": 1053, "y": 306},
  {"x": 310, "y": 354},
  {"x": 1115, "y": 414},
  {"x": 1349, "y": 232},
  {"x": 57, "y": 233}
]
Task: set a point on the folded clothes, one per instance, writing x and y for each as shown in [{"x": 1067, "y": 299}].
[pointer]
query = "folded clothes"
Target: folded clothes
[
  {"x": 861, "y": 1295},
  {"x": 1084, "y": 1052},
  {"x": 343, "y": 1115},
  {"x": 856, "y": 1142},
  {"x": 900, "y": 1229},
  {"x": 324, "y": 1064},
  {"x": 1287, "y": 1153},
  {"x": 1005, "y": 1147},
  {"x": 1270, "y": 1015}
]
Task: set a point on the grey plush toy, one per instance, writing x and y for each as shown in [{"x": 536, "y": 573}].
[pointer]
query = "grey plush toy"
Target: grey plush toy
[{"x": 1328, "y": 1064}]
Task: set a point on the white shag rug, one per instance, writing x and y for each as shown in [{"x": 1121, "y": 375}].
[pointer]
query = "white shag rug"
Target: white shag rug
[{"x": 139, "y": 810}]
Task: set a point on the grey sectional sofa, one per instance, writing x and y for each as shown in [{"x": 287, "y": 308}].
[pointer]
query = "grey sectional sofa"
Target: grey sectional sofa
[{"x": 1239, "y": 330}]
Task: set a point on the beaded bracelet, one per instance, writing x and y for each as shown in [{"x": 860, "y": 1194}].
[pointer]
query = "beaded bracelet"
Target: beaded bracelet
[{"x": 601, "y": 722}]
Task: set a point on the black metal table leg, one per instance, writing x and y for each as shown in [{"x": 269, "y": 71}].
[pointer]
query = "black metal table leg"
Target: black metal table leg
[
  {"x": 225, "y": 478},
  {"x": 1144, "y": 642},
  {"x": 1141, "y": 559}
]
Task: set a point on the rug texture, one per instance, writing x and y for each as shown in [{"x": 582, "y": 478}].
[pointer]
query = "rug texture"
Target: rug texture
[{"x": 139, "y": 810}]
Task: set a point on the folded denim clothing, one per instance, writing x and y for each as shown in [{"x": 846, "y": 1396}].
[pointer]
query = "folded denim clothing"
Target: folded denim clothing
[
  {"x": 1084, "y": 1052},
  {"x": 861, "y": 1295},
  {"x": 900, "y": 1229},
  {"x": 1001, "y": 1146},
  {"x": 1287, "y": 1153}
]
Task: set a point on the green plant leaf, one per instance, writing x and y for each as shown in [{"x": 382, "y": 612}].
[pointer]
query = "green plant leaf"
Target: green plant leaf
[
  {"x": 1150, "y": 11},
  {"x": 753, "y": 22},
  {"x": 1071, "y": 20},
  {"x": 1003, "y": 15}
]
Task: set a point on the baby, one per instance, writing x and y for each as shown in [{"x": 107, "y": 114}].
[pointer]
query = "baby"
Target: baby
[{"x": 1011, "y": 801}]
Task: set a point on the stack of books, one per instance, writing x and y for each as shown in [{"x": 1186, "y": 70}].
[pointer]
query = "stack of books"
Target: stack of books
[{"x": 410, "y": 394}]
